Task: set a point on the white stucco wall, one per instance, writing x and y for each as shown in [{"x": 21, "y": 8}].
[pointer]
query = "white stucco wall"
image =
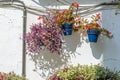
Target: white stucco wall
[
  {"x": 111, "y": 55},
  {"x": 10, "y": 42},
  {"x": 105, "y": 51},
  {"x": 39, "y": 67}
]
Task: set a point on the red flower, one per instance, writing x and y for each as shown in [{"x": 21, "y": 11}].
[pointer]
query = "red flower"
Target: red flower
[
  {"x": 92, "y": 28},
  {"x": 76, "y": 4},
  {"x": 97, "y": 25},
  {"x": 98, "y": 16},
  {"x": 108, "y": 32},
  {"x": 65, "y": 11},
  {"x": 58, "y": 19},
  {"x": 87, "y": 27},
  {"x": 40, "y": 17}
]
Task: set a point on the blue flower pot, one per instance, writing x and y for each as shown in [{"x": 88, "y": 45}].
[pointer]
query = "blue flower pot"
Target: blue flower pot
[
  {"x": 67, "y": 32},
  {"x": 67, "y": 29},
  {"x": 93, "y": 35}
]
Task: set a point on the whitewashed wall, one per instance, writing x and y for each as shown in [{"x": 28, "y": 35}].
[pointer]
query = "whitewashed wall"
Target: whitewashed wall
[
  {"x": 111, "y": 54},
  {"x": 105, "y": 52},
  {"x": 39, "y": 67},
  {"x": 10, "y": 42}
]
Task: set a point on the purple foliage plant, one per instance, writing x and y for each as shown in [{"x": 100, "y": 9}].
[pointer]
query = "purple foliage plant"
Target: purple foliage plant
[{"x": 44, "y": 36}]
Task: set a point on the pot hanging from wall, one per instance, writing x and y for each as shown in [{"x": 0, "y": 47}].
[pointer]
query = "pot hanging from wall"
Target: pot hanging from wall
[
  {"x": 67, "y": 29},
  {"x": 93, "y": 35}
]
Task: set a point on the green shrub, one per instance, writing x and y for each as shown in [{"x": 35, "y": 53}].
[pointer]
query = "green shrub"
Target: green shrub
[
  {"x": 10, "y": 76},
  {"x": 85, "y": 72}
]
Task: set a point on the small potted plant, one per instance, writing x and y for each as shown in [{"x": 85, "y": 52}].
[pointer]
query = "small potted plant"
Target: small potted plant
[
  {"x": 94, "y": 29},
  {"x": 66, "y": 18}
]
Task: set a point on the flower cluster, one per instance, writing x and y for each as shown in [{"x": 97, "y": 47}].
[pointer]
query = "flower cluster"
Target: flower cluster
[
  {"x": 66, "y": 15},
  {"x": 94, "y": 24},
  {"x": 10, "y": 76},
  {"x": 43, "y": 36}
]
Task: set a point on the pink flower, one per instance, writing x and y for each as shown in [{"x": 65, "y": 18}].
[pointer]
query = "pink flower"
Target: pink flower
[
  {"x": 76, "y": 4},
  {"x": 77, "y": 19}
]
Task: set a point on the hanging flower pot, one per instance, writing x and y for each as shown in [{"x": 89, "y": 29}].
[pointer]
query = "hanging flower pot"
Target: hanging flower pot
[
  {"x": 93, "y": 35},
  {"x": 67, "y": 29},
  {"x": 43, "y": 37}
]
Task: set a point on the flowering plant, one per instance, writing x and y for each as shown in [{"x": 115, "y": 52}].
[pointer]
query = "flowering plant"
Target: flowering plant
[
  {"x": 94, "y": 24},
  {"x": 85, "y": 72},
  {"x": 66, "y": 15},
  {"x": 44, "y": 36},
  {"x": 10, "y": 76}
]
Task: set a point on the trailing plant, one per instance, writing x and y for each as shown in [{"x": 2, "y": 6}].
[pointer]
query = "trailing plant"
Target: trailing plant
[
  {"x": 44, "y": 36},
  {"x": 85, "y": 72},
  {"x": 67, "y": 16}
]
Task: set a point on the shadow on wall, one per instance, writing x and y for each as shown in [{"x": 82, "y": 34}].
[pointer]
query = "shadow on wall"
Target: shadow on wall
[
  {"x": 111, "y": 56},
  {"x": 47, "y": 63},
  {"x": 97, "y": 48},
  {"x": 71, "y": 43}
]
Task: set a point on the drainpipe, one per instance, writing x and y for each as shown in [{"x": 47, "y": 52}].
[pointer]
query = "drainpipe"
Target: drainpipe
[
  {"x": 24, "y": 44},
  {"x": 24, "y": 32}
]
